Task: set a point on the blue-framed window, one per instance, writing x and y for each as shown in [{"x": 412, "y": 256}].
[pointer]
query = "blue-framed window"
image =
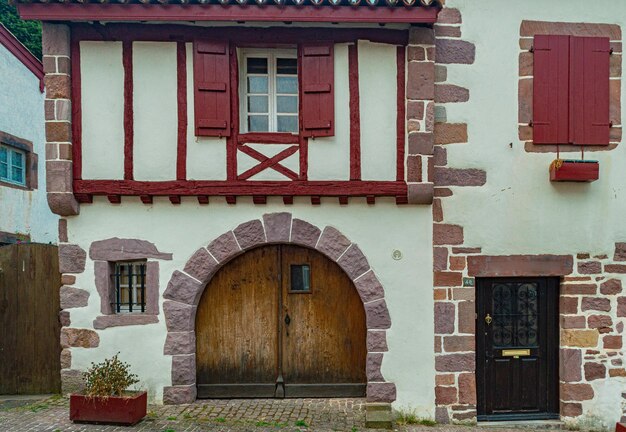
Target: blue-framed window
[{"x": 12, "y": 165}]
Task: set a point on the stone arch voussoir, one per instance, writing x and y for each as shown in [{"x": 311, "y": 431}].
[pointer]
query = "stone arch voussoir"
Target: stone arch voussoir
[{"x": 185, "y": 288}]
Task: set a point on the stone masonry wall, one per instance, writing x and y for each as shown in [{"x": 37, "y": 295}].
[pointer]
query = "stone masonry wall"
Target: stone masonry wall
[{"x": 58, "y": 112}]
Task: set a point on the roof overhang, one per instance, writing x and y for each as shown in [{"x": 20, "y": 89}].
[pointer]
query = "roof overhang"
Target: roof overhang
[
  {"x": 227, "y": 12},
  {"x": 20, "y": 52}
]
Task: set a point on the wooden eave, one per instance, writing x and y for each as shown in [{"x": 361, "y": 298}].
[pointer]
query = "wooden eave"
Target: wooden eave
[{"x": 382, "y": 14}]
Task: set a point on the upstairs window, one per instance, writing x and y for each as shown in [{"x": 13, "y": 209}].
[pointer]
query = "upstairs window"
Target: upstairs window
[
  {"x": 279, "y": 91},
  {"x": 269, "y": 91},
  {"x": 130, "y": 287},
  {"x": 12, "y": 165},
  {"x": 571, "y": 90}
]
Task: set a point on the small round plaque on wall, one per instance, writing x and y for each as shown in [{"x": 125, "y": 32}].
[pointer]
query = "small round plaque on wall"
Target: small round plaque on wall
[{"x": 397, "y": 255}]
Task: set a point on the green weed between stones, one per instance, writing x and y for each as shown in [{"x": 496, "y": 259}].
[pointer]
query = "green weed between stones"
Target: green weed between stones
[
  {"x": 301, "y": 423},
  {"x": 275, "y": 424},
  {"x": 410, "y": 418}
]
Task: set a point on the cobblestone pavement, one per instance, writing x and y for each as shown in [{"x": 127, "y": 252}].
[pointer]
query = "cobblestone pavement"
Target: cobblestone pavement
[{"x": 259, "y": 415}]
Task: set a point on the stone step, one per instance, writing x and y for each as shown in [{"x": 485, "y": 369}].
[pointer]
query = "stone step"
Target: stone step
[
  {"x": 378, "y": 416},
  {"x": 524, "y": 424}
]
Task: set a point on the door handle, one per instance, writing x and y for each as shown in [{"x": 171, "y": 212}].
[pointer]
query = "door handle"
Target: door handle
[
  {"x": 287, "y": 319},
  {"x": 488, "y": 319}
]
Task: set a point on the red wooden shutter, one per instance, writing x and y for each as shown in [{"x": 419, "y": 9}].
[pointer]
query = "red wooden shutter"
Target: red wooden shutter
[
  {"x": 551, "y": 89},
  {"x": 211, "y": 88},
  {"x": 589, "y": 90},
  {"x": 317, "y": 89}
]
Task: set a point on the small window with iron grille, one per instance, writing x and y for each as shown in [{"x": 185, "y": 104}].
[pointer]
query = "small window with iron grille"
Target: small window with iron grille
[{"x": 129, "y": 280}]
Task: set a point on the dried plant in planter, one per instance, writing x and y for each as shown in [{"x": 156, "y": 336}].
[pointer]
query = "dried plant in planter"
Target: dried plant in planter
[
  {"x": 106, "y": 398},
  {"x": 110, "y": 378}
]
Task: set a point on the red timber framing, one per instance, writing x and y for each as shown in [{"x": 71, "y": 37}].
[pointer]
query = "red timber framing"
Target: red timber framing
[
  {"x": 355, "y": 113},
  {"x": 400, "y": 121},
  {"x": 127, "y": 63},
  {"x": 218, "y": 12},
  {"x": 238, "y": 184},
  {"x": 181, "y": 77}
]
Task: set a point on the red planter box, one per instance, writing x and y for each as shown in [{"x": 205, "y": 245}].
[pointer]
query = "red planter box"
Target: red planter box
[
  {"x": 124, "y": 410},
  {"x": 620, "y": 427},
  {"x": 574, "y": 171}
]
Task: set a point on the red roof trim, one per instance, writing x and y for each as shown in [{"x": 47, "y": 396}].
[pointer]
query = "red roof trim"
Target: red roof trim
[
  {"x": 216, "y": 12},
  {"x": 20, "y": 52}
]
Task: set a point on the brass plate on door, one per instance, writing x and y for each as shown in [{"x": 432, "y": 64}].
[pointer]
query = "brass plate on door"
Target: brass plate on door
[{"x": 515, "y": 353}]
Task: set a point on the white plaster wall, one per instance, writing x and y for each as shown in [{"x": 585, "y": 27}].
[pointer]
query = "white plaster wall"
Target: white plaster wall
[
  {"x": 519, "y": 211},
  {"x": 378, "y": 87},
  {"x": 182, "y": 229},
  {"x": 329, "y": 157},
  {"x": 22, "y": 115},
  {"x": 102, "y": 107},
  {"x": 155, "y": 110}
]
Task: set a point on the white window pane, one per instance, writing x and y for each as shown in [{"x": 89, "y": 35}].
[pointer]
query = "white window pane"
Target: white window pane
[
  {"x": 4, "y": 171},
  {"x": 17, "y": 175},
  {"x": 287, "y": 84},
  {"x": 286, "y": 66},
  {"x": 17, "y": 159},
  {"x": 287, "y": 124},
  {"x": 258, "y": 104},
  {"x": 287, "y": 104},
  {"x": 257, "y": 84},
  {"x": 256, "y": 65},
  {"x": 257, "y": 123},
  {"x": 4, "y": 155}
]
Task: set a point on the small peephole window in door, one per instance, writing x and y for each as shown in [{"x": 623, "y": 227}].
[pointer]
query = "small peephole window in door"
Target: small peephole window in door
[{"x": 300, "y": 278}]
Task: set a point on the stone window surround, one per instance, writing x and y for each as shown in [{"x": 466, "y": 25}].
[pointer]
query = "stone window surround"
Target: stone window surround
[
  {"x": 30, "y": 166},
  {"x": 528, "y": 30},
  {"x": 105, "y": 253},
  {"x": 185, "y": 289}
]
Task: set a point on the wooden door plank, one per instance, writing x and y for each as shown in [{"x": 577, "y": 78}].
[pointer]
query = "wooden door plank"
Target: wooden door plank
[
  {"x": 324, "y": 342},
  {"x": 8, "y": 282},
  {"x": 236, "y": 329}
]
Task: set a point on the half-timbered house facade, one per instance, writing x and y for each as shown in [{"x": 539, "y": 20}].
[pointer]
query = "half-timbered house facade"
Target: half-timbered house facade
[{"x": 333, "y": 198}]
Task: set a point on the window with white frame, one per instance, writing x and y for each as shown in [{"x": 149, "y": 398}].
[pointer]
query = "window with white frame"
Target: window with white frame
[
  {"x": 269, "y": 90},
  {"x": 130, "y": 287},
  {"x": 12, "y": 165}
]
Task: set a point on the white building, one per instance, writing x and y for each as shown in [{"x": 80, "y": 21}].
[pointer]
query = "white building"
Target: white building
[
  {"x": 239, "y": 173},
  {"x": 24, "y": 215}
]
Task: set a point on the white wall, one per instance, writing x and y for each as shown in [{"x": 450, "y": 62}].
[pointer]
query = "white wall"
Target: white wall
[
  {"x": 155, "y": 110},
  {"x": 519, "y": 210},
  {"x": 181, "y": 230},
  {"x": 378, "y": 93},
  {"x": 22, "y": 115},
  {"x": 102, "y": 105}
]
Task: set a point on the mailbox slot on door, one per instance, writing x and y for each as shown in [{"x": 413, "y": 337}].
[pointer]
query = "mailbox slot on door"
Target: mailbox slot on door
[{"x": 516, "y": 353}]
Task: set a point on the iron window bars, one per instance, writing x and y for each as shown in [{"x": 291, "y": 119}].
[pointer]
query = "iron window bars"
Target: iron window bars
[{"x": 130, "y": 287}]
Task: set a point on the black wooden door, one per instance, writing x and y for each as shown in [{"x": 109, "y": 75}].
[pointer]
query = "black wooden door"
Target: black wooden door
[{"x": 517, "y": 348}]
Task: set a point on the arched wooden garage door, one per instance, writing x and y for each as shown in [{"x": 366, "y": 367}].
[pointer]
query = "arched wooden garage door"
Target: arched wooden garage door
[{"x": 280, "y": 321}]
